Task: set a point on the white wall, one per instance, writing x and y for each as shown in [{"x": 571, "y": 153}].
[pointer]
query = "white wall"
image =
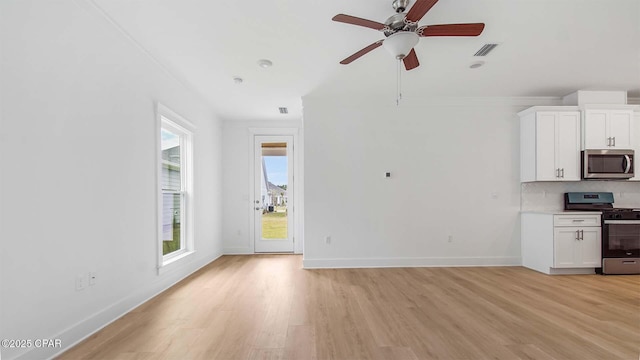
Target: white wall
[
  {"x": 237, "y": 145},
  {"x": 77, "y": 153},
  {"x": 454, "y": 167}
]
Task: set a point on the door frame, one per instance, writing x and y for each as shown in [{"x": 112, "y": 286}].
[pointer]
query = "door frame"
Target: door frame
[
  {"x": 298, "y": 189},
  {"x": 262, "y": 245}
]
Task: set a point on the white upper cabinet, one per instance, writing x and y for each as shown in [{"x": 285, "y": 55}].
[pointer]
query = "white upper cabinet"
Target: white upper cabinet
[
  {"x": 568, "y": 145},
  {"x": 549, "y": 145},
  {"x": 608, "y": 129},
  {"x": 636, "y": 145}
]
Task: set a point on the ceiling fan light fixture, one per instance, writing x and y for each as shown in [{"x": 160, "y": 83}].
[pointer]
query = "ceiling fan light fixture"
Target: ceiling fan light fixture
[{"x": 400, "y": 44}]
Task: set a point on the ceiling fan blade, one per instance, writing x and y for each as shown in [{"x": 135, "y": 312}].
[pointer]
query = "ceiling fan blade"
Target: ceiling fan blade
[
  {"x": 361, "y": 52},
  {"x": 348, "y": 19},
  {"x": 411, "y": 60},
  {"x": 420, "y": 8},
  {"x": 451, "y": 30}
]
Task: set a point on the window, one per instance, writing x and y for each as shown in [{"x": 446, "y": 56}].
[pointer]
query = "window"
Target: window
[{"x": 175, "y": 180}]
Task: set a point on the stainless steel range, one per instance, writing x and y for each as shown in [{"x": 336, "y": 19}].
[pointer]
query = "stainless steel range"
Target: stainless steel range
[{"x": 620, "y": 231}]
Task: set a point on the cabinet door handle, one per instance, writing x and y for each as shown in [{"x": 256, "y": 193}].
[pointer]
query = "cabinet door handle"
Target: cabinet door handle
[
  {"x": 577, "y": 234},
  {"x": 614, "y": 141},
  {"x": 581, "y": 234},
  {"x": 562, "y": 174}
]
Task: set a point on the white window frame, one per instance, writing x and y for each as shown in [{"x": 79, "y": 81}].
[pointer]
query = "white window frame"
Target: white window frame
[{"x": 178, "y": 125}]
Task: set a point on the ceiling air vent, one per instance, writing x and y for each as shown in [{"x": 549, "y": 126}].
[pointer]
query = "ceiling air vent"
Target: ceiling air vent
[
  {"x": 484, "y": 50},
  {"x": 283, "y": 110}
]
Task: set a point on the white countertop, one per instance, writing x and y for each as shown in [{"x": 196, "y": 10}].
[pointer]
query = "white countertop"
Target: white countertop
[{"x": 562, "y": 212}]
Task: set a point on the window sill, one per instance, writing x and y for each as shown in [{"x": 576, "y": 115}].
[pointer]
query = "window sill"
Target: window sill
[{"x": 174, "y": 262}]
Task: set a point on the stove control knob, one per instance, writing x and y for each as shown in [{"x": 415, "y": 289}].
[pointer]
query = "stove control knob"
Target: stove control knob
[{"x": 617, "y": 216}]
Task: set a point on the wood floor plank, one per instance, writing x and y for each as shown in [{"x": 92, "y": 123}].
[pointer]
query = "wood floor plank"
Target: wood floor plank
[
  {"x": 301, "y": 343},
  {"x": 268, "y": 307},
  {"x": 266, "y": 354}
]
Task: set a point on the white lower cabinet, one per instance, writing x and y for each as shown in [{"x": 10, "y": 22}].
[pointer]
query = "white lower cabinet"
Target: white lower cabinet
[
  {"x": 561, "y": 243},
  {"x": 576, "y": 247}
]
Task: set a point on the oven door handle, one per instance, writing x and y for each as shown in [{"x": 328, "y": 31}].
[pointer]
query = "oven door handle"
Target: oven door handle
[
  {"x": 627, "y": 160},
  {"x": 622, "y": 222}
]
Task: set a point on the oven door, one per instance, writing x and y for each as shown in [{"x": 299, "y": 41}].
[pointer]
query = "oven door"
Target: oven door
[
  {"x": 607, "y": 164},
  {"x": 621, "y": 238}
]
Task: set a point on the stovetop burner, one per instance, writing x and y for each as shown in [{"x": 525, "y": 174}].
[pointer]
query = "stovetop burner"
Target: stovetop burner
[
  {"x": 620, "y": 209},
  {"x": 621, "y": 214}
]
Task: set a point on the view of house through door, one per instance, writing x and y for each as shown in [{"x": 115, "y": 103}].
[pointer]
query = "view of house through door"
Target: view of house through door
[{"x": 273, "y": 194}]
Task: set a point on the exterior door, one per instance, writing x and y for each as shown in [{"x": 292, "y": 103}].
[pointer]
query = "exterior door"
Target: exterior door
[{"x": 273, "y": 193}]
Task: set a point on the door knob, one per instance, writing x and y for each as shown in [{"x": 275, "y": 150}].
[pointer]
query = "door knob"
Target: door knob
[{"x": 257, "y": 208}]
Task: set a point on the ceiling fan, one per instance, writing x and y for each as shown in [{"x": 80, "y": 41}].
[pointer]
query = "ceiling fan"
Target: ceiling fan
[{"x": 403, "y": 33}]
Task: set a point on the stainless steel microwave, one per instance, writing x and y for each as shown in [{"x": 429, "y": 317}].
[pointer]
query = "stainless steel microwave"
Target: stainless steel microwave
[{"x": 607, "y": 164}]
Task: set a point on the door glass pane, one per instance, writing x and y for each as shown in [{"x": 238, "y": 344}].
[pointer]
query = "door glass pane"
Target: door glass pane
[
  {"x": 171, "y": 230},
  {"x": 273, "y": 191}
]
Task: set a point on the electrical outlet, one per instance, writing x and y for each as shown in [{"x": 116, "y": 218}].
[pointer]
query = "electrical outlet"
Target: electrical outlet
[
  {"x": 450, "y": 238},
  {"x": 327, "y": 240},
  {"x": 92, "y": 278},
  {"x": 81, "y": 282}
]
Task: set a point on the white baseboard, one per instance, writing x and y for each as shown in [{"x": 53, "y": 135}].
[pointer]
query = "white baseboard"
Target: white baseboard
[
  {"x": 411, "y": 262},
  {"x": 237, "y": 251},
  {"x": 96, "y": 322},
  {"x": 572, "y": 271}
]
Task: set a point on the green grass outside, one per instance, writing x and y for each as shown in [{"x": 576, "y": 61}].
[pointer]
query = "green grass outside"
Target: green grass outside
[
  {"x": 274, "y": 224},
  {"x": 173, "y": 245}
]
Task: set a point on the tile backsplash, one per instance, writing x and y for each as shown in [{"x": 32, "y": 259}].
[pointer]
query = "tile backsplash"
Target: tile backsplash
[{"x": 549, "y": 196}]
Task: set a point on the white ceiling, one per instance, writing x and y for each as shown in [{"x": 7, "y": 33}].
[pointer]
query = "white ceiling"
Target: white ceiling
[{"x": 547, "y": 48}]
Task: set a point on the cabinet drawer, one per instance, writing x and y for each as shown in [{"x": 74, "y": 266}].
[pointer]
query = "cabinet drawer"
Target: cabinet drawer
[{"x": 576, "y": 220}]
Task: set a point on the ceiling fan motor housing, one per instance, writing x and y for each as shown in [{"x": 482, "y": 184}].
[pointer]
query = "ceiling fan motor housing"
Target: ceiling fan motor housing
[{"x": 396, "y": 23}]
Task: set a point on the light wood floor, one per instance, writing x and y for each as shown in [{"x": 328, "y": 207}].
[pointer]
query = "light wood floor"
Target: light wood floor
[{"x": 268, "y": 307}]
